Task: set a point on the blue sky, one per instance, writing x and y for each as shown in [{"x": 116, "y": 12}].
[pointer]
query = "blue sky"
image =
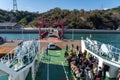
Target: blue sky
[{"x": 45, "y": 5}]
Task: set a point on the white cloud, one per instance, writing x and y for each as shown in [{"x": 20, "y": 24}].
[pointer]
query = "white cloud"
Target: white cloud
[{"x": 105, "y": 8}]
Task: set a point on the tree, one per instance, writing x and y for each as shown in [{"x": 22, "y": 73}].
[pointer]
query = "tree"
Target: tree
[
  {"x": 34, "y": 23},
  {"x": 23, "y": 21},
  {"x": 96, "y": 20}
]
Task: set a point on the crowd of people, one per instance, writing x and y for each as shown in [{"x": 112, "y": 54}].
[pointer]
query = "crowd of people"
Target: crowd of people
[{"x": 83, "y": 65}]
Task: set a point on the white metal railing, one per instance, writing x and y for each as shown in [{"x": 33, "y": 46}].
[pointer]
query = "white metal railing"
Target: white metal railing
[
  {"x": 8, "y": 57},
  {"x": 111, "y": 53},
  {"x": 23, "y": 55}
]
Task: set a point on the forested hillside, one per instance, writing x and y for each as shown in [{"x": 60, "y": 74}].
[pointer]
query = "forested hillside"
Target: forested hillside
[{"x": 78, "y": 19}]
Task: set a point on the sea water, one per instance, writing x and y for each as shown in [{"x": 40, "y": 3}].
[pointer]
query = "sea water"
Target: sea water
[{"x": 113, "y": 39}]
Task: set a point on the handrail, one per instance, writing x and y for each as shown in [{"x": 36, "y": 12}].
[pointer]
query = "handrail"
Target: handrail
[
  {"x": 7, "y": 57},
  {"x": 23, "y": 57},
  {"x": 113, "y": 54}
]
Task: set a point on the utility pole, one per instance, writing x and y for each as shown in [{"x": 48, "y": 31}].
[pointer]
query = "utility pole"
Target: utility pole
[
  {"x": 22, "y": 32},
  {"x": 102, "y": 7},
  {"x": 72, "y": 34},
  {"x": 113, "y": 27},
  {"x": 15, "y": 5}
]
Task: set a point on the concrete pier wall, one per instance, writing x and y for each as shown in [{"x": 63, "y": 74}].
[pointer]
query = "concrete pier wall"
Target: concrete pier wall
[{"x": 82, "y": 31}]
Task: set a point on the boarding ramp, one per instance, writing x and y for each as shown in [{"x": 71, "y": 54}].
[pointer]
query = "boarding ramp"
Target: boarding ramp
[
  {"x": 53, "y": 33},
  {"x": 24, "y": 55}
]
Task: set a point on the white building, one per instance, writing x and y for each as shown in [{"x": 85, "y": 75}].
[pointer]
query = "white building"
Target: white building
[{"x": 9, "y": 25}]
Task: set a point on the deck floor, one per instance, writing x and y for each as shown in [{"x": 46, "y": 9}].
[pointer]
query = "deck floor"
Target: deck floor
[
  {"x": 54, "y": 67},
  {"x": 8, "y": 46}
]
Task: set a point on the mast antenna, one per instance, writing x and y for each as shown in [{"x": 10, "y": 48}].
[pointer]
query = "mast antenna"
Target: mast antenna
[{"x": 15, "y": 5}]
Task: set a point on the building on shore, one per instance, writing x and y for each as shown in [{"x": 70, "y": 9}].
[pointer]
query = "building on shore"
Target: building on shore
[
  {"x": 10, "y": 25},
  {"x": 2, "y": 40}
]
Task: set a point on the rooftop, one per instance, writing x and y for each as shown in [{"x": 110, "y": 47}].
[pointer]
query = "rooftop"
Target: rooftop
[{"x": 8, "y": 24}]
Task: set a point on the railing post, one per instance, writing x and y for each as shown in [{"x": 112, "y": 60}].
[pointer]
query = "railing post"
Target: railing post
[
  {"x": 100, "y": 63},
  {"x": 8, "y": 57},
  {"x": 33, "y": 72},
  {"x": 83, "y": 46}
]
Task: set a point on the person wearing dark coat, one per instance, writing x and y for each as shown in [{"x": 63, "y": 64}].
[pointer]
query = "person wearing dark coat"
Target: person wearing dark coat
[
  {"x": 99, "y": 73},
  {"x": 77, "y": 47},
  {"x": 66, "y": 54},
  {"x": 66, "y": 47}
]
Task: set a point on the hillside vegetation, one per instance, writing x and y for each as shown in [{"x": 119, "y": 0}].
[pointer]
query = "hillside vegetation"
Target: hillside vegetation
[{"x": 78, "y": 19}]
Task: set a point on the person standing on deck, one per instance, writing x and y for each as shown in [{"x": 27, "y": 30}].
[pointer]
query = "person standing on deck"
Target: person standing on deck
[
  {"x": 95, "y": 70},
  {"x": 72, "y": 46},
  {"x": 99, "y": 74},
  {"x": 66, "y": 47},
  {"x": 69, "y": 61},
  {"x": 47, "y": 51},
  {"x": 86, "y": 73},
  {"x": 77, "y": 47},
  {"x": 118, "y": 75},
  {"x": 66, "y": 54}
]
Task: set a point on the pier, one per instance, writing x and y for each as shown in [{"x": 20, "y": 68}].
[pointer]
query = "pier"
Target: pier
[{"x": 8, "y": 46}]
